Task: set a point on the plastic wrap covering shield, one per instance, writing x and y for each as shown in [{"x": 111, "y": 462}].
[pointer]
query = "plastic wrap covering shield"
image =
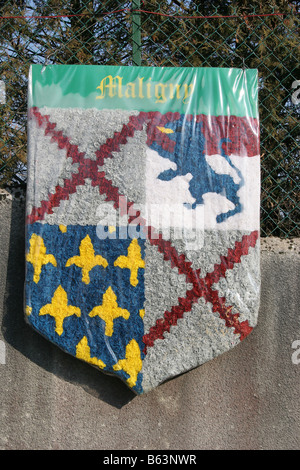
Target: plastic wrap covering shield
[{"x": 142, "y": 233}]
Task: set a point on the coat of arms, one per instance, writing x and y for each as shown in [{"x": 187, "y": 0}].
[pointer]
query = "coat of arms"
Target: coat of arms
[{"x": 143, "y": 215}]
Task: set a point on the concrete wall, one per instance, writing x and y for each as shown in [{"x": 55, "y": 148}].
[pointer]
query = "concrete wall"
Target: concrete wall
[{"x": 247, "y": 398}]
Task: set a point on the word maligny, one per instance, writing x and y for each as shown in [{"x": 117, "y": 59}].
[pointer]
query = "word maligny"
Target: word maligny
[{"x": 113, "y": 87}]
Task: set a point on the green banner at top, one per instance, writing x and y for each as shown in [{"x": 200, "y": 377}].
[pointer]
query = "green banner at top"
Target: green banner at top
[{"x": 187, "y": 90}]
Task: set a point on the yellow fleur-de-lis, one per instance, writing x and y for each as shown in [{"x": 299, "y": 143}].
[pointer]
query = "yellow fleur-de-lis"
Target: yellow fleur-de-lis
[
  {"x": 109, "y": 310},
  {"x": 59, "y": 309},
  {"x": 165, "y": 130},
  {"x": 38, "y": 256},
  {"x": 132, "y": 364},
  {"x": 133, "y": 261},
  {"x": 87, "y": 259},
  {"x": 83, "y": 352}
]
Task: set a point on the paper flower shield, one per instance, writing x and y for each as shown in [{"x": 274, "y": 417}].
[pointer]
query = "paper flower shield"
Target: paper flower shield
[{"x": 142, "y": 233}]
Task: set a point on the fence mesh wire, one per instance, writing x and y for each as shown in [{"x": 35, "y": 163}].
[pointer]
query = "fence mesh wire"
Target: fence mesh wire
[{"x": 164, "y": 33}]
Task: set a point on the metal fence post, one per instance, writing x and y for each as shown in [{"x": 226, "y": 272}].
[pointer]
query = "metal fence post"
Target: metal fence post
[{"x": 136, "y": 32}]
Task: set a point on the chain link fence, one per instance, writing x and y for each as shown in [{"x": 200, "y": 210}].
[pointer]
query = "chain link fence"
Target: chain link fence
[{"x": 164, "y": 33}]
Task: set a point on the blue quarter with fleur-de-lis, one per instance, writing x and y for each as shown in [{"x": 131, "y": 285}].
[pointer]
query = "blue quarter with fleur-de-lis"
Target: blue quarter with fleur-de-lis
[{"x": 87, "y": 296}]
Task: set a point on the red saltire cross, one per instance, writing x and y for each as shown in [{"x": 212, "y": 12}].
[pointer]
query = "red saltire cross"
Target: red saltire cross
[{"x": 202, "y": 286}]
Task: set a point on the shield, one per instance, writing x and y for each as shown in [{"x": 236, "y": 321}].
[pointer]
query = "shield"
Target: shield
[{"x": 142, "y": 233}]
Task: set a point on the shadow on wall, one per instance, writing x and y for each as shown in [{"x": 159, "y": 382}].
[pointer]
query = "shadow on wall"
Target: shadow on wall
[{"x": 31, "y": 344}]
